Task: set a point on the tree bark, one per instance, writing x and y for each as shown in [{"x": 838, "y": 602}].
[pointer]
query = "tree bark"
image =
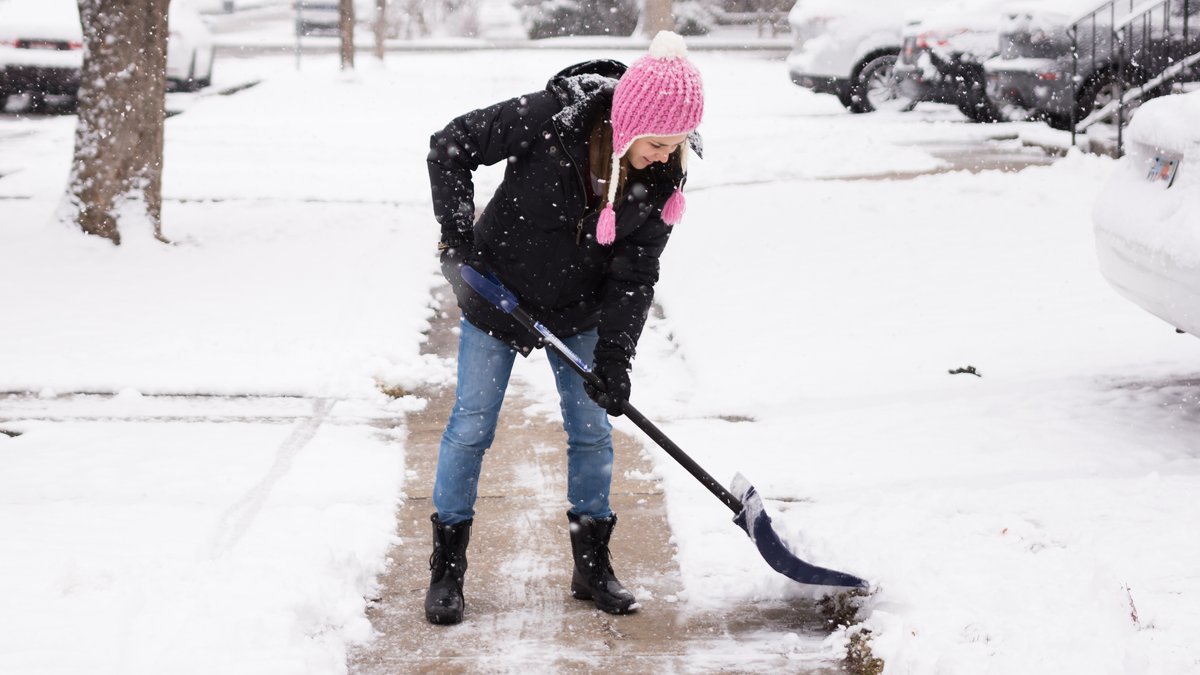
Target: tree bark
[
  {"x": 657, "y": 17},
  {"x": 380, "y": 27},
  {"x": 346, "y": 29},
  {"x": 116, "y": 176}
]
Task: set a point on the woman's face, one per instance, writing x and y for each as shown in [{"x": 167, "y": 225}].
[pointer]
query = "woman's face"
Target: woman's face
[{"x": 650, "y": 149}]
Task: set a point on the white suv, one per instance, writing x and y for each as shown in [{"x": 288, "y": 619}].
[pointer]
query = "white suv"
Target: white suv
[{"x": 848, "y": 49}]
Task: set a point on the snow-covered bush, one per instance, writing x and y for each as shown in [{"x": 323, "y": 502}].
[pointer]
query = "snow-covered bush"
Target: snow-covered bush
[
  {"x": 555, "y": 18},
  {"x": 693, "y": 17}
]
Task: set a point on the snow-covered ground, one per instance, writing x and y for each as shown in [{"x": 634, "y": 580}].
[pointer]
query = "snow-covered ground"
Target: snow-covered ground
[{"x": 1032, "y": 520}]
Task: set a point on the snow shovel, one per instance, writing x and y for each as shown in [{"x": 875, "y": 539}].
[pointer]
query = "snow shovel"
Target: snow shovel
[{"x": 747, "y": 506}]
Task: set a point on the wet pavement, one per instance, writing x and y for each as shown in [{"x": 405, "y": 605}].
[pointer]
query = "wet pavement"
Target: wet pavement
[
  {"x": 519, "y": 613},
  {"x": 1002, "y": 152}
]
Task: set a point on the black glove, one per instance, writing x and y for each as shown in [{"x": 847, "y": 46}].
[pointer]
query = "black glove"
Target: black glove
[
  {"x": 457, "y": 249},
  {"x": 611, "y": 366},
  {"x": 456, "y": 252}
]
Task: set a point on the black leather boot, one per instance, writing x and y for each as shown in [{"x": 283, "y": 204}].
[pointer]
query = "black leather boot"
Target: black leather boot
[
  {"x": 448, "y": 565},
  {"x": 593, "y": 578}
]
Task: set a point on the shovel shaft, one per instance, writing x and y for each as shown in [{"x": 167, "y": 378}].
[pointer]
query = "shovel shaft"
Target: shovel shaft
[
  {"x": 635, "y": 416},
  {"x": 682, "y": 457},
  {"x": 748, "y": 510}
]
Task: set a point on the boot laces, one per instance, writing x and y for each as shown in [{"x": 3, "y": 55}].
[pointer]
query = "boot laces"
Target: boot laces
[{"x": 604, "y": 557}]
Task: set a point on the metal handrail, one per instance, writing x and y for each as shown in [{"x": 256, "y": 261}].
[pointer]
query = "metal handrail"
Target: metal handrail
[
  {"x": 1147, "y": 56},
  {"x": 1090, "y": 20},
  {"x": 1135, "y": 93},
  {"x": 1138, "y": 12}
]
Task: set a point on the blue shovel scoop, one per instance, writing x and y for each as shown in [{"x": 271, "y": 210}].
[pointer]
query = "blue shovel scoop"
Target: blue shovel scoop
[{"x": 743, "y": 500}]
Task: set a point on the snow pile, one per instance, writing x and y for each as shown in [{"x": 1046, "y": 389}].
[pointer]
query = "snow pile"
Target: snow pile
[
  {"x": 1149, "y": 214},
  {"x": 212, "y": 546}
]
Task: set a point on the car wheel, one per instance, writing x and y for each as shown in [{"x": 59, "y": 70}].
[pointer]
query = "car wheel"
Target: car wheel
[
  {"x": 979, "y": 108},
  {"x": 879, "y": 89},
  {"x": 971, "y": 98},
  {"x": 191, "y": 82},
  {"x": 1103, "y": 89},
  {"x": 847, "y": 98},
  {"x": 206, "y": 81},
  {"x": 1097, "y": 93}
]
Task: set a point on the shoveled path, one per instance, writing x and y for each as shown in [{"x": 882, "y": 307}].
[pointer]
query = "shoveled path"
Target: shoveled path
[{"x": 520, "y": 616}]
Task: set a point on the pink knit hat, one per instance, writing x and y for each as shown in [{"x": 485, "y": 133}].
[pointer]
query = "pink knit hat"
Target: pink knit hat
[{"x": 660, "y": 95}]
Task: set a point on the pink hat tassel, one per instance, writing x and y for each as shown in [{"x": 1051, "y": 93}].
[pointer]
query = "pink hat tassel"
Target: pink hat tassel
[
  {"x": 606, "y": 226},
  {"x": 675, "y": 207}
]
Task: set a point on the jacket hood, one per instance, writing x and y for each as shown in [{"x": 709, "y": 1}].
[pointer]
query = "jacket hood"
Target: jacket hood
[{"x": 581, "y": 87}]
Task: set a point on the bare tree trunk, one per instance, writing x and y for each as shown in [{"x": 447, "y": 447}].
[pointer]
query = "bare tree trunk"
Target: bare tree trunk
[
  {"x": 346, "y": 28},
  {"x": 116, "y": 176},
  {"x": 380, "y": 27},
  {"x": 657, "y": 17}
]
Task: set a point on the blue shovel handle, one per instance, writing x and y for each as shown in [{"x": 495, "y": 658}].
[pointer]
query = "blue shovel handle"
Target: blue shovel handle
[{"x": 490, "y": 288}]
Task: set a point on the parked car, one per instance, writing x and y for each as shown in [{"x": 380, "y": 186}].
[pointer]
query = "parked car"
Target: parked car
[
  {"x": 851, "y": 49},
  {"x": 848, "y": 49},
  {"x": 41, "y": 48},
  {"x": 942, "y": 56},
  {"x": 190, "y": 51},
  {"x": 1147, "y": 217},
  {"x": 1033, "y": 78}
]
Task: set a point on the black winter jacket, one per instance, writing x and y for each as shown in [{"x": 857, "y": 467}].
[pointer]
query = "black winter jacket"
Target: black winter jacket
[{"x": 537, "y": 234}]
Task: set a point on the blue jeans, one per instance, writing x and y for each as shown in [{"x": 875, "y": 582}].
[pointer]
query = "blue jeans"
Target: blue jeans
[{"x": 484, "y": 366}]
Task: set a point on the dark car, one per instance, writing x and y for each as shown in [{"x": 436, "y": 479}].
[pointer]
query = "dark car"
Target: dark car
[
  {"x": 41, "y": 47},
  {"x": 1036, "y": 77},
  {"x": 941, "y": 60}
]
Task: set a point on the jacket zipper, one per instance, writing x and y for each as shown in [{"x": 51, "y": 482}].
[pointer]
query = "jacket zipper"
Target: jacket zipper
[
  {"x": 579, "y": 227},
  {"x": 582, "y": 185}
]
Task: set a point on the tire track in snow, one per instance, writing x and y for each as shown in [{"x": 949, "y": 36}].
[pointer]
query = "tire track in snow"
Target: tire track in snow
[{"x": 238, "y": 518}]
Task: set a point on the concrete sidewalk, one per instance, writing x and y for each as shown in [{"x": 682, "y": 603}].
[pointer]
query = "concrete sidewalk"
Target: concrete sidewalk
[{"x": 519, "y": 613}]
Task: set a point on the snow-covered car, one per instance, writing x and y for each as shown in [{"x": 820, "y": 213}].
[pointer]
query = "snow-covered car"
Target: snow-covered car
[
  {"x": 41, "y": 48},
  {"x": 190, "y": 51},
  {"x": 1147, "y": 217},
  {"x": 942, "y": 56},
  {"x": 848, "y": 49}
]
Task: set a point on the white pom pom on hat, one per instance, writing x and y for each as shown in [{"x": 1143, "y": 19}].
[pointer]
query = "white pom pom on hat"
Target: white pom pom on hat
[{"x": 668, "y": 45}]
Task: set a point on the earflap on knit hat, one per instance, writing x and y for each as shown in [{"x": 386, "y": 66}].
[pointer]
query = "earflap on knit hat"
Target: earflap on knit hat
[{"x": 660, "y": 95}]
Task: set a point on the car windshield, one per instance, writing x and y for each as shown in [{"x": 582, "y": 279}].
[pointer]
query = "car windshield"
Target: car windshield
[{"x": 1041, "y": 42}]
